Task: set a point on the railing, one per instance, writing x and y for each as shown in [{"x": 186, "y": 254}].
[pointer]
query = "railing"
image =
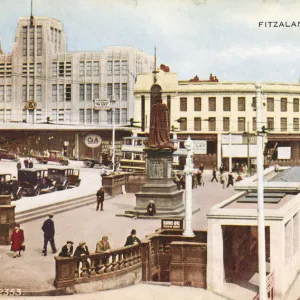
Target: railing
[
  {"x": 95, "y": 266},
  {"x": 270, "y": 287}
]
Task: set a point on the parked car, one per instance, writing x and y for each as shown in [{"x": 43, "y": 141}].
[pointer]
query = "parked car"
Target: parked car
[
  {"x": 53, "y": 156},
  {"x": 10, "y": 186},
  {"x": 104, "y": 160},
  {"x": 4, "y": 154},
  {"x": 64, "y": 177},
  {"x": 35, "y": 181}
]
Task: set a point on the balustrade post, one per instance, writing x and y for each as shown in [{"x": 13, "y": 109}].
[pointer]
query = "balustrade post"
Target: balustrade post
[
  {"x": 114, "y": 262},
  {"x": 64, "y": 272}
]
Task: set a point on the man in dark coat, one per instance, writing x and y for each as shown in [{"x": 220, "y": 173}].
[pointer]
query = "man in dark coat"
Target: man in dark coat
[
  {"x": 151, "y": 208},
  {"x": 49, "y": 231},
  {"x": 100, "y": 198},
  {"x": 132, "y": 239},
  {"x": 81, "y": 253},
  {"x": 230, "y": 179},
  {"x": 67, "y": 249}
]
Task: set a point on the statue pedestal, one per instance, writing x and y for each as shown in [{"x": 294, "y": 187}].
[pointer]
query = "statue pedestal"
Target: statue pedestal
[
  {"x": 159, "y": 185},
  {"x": 7, "y": 219}
]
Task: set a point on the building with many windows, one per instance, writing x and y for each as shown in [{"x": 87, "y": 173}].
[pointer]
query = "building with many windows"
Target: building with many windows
[
  {"x": 42, "y": 86},
  {"x": 211, "y": 111}
]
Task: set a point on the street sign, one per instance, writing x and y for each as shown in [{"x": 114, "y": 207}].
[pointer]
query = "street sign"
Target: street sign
[
  {"x": 92, "y": 140},
  {"x": 101, "y": 104}
]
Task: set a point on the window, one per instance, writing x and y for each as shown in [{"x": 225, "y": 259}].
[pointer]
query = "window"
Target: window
[
  {"x": 8, "y": 115},
  {"x": 124, "y": 116},
  {"x": 24, "y": 93},
  {"x": 109, "y": 67},
  {"x": 197, "y": 104},
  {"x": 54, "y": 69},
  {"x": 61, "y": 93},
  {"x": 283, "y": 124},
  {"x": 24, "y": 114},
  {"x": 212, "y": 104},
  {"x": 124, "y": 67},
  {"x": 81, "y": 92},
  {"x": 117, "y": 67},
  {"x": 68, "y": 116},
  {"x": 38, "y": 97},
  {"x": 39, "y": 40},
  {"x": 88, "y": 68},
  {"x": 96, "y": 91},
  {"x": 88, "y": 92},
  {"x": 296, "y": 104},
  {"x": 117, "y": 116},
  {"x": 24, "y": 41},
  {"x": 226, "y": 124},
  {"x": 96, "y": 68},
  {"x": 124, "y": 91},
  {"x": 109, "y": 91},
  {"x": 254, "y": 124},
  {"x": 39, "y": 69},
  {"x": 8, "y": 93},
  {"x": 61, "y": 115},
  {"x": 38, "y": 116},
  {"x": 109, "y": 117},
  {"x": 270, "y": 104},
  {"x": 81, "y": 69},
  {"x": 253, "y": 103},
  {"x": 61, "y": 69},
  {"x": 226, "y": 104},
  {"x": 197, "y": 124},
  {"x": 212, "y": 123},
  {"x": 1, "y": 93},
  {"x": 96, "y": 117},
  {"x": 296, "y": 124},
  {"x": 117, "y": 91},
  {"x": 241, "y": 104},
  {"x": 89, "y": 116},
  {"x": 283, "y": 104},
  {"x": 81, "y": 116},
  {"x": 1, "y": 116},
  {"x": 241, "y": 124},
  {"x": 270, "y": 123},
  {"x": 31, "y": 92},
  {"x": 183, "y": 104},
  {"x": 68, "y": 69},
  {"x": 183, "y": 124},
  {"x": 54, "y": 115},
  {"x": 68, "y": 92},
  {"x": 31, "y": 41}
]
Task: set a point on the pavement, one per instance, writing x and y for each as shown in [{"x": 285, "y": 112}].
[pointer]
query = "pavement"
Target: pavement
[{"x": 33, "y": 272}]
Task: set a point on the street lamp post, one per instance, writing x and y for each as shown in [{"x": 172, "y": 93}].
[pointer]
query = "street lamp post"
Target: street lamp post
[
  {"x": 260, "y": 200},
  {"x": 188, "y": 170}
]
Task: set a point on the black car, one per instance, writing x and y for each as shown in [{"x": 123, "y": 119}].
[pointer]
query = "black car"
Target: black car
[
  {"x": 35, "y": 181},
  {"x": 64, "y": 177},
  {"x": 10, "y": 186}
]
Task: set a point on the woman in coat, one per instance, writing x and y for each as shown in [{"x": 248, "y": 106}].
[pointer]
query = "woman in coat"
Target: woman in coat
[{"x": 17, "y": 240}]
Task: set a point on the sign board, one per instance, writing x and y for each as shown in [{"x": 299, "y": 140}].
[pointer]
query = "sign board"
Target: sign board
[
  {"x": 234, "y": 138},
  {"x": 200, "y": 147},
  {"x": 284, "y": 153},
  {"x": 172, "y": 223},
  {"x": 101, "y": 104},
  {"x": 239, "y": 151},
  {"x": 92, "y": 140}
]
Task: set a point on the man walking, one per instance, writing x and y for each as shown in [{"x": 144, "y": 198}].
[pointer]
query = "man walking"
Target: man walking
[
  {"x": 100, "y": 198},
  {"x": 214, "y": 174},
  {"x": 49, "y": 231},
  {"x": 230, "y": 179}
]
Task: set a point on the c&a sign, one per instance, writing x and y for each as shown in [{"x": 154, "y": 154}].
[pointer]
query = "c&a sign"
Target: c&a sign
[{"x": 92, "y": 140}]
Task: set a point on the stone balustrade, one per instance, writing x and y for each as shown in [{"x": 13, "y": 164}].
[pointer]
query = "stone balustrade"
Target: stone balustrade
[
  {"x": 96, "y": 266},
  {"x": 112, "y": 184}
]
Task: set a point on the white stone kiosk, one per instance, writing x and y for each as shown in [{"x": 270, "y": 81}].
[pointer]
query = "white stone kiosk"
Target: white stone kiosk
[{"x": 283, "y": 255}]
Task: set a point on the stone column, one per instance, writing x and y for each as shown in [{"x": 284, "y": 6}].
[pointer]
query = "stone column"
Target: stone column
[{"x": 188, "y": 170}]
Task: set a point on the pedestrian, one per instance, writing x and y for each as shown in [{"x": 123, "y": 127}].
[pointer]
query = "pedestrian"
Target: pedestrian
[
  {"x": 182, "y": 181},
  {"x": 103, "y": 246},
  {"x": 67, "y": 249},
  {"x": 19, "y": 165},
  {"x": 194, "y": 180},
  {"x": 26, "y": 162},
  {"x": 17, "y": 241},
  {"x": 49, "y": 231},
  {"x": 100, "y": 198},
  {"x": 176, "y": 180},
  {"x": 223, "y": 179},
  {"x": 214, "y": 174},
  {"x": 132, "y": 239},
  {"x": 230, "y": 179},
  {"x": 201, "y": 168},
  {"x": 221, "y": 169},
  {"x": 81, "y": 253},
  {"x": 30, "y": 163},
  {"x": 15, "y": 189},
  {"x": 151, "y": 208}
]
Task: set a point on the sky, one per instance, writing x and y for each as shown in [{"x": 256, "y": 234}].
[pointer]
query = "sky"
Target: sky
[{"x": 193, "y": 37}]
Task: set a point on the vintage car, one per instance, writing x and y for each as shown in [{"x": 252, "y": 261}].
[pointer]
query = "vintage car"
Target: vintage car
[
  {"x": 103, "y": 161},
  {"x": 54, "y": 156},
  {"x": 64, "y": 177},
  {"x": 35, "y": 181},
  {"x": 10, "y": 186},
  {"x": 4, "y": 154}
]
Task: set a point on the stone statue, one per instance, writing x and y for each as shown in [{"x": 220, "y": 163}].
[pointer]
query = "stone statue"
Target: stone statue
[{"x": 159, "y": 135}]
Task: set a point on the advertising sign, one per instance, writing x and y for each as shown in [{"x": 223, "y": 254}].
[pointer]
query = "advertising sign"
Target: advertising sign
[
  {"x": 284, "y": 153},
  {"x": 234, "y": 138},
  {"x": 200, "y": 147},
  {"x": 100, "y": 104},
  {"x": 92, "y": 140}
]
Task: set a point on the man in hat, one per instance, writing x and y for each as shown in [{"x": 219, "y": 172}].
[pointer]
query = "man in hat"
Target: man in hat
[
  {"x": 67, "y": 249},
  {"x": 103, "y": 246},
  {"x": 49, "y": 231},
  {"x": 151, "y": 208},
  {"x": 100, "y": 198},
  {"x": 132, "y": 239},
  {"x": 81, "y": 253}
]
